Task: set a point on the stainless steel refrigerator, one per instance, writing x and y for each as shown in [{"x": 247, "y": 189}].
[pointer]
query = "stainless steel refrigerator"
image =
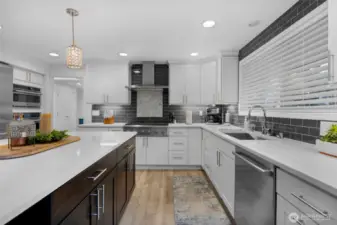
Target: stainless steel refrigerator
[{"x": 6, "y": 98}]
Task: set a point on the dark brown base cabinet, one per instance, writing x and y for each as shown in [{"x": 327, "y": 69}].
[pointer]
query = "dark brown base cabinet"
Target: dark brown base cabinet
[{"x": 97, "y": 196}]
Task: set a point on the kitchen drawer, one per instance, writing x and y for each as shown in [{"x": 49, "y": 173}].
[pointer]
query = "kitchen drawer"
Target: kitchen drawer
[
  {"x": 126, "y": 148},
  {"x": 287, "y": 214},
  {"x": 178, "y": 132},
  {"x": 176, "y": 143},
  {"x": 177, "y": 158},
  {"x": 307, "y": 198},
  {"x": 226, "y": 147}
]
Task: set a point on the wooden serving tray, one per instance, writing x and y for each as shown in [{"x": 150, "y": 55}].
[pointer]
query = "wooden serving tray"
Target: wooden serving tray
[{"x": 23, "y": 151}]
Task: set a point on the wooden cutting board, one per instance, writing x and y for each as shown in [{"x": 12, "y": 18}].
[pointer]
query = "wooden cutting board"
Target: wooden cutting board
[{"x": 28, "y": 150}]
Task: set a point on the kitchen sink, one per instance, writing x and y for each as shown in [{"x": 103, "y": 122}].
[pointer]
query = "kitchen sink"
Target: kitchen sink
[{"x": 243, "y": 136}]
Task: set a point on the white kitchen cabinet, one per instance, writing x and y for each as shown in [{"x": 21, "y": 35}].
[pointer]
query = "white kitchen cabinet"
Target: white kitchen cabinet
[
  {"x": 27, "y": 78},
  {"x": 140, "y": 150},
  {"x": 209, "y": 92},
  {"x": 105, "y": 84},
  {"x": 177, "y": 85},
  {"x": 157, "y": 151},
  {"x": 194, "y": 146},
  {"x": 332, "y": 4},
  {"x": 185, "y": 87},
  {"x": 226, "y": 180},
  {"x": 229, "y": 80}
]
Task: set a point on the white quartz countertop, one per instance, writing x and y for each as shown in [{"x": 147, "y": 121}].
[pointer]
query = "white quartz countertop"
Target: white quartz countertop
[
  {"x": 101, "y": 125},
  {"x": 25, "y": 181},
  {"x": 300, "y": 159}
]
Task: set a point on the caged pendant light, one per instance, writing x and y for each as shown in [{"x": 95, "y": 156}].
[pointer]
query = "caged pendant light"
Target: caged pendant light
[{"x": 74, "y": 53}]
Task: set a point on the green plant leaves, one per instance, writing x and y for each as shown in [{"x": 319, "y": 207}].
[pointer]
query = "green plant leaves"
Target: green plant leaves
[
  {"x": 55, "y": 135},
  {"x": 331, "y": 136}
]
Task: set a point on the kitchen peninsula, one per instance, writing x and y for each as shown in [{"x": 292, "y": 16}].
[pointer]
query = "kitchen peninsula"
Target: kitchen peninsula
[{"x": 86, "y": 182}]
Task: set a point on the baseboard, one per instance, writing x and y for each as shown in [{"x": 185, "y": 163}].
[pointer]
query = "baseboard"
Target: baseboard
[
  {"x": 228, "y": 213},
  {"x": 168, "y": 167}
]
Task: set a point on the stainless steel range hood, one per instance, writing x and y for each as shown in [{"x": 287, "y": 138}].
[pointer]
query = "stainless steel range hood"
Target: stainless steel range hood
[{"x": 148, "y": 82}]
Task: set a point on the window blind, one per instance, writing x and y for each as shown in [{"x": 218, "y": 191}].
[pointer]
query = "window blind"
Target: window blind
[{"x": 292, "y": 73}]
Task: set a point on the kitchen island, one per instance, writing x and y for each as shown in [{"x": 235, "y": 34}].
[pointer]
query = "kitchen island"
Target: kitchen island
[{"x": 86, "y": 182}]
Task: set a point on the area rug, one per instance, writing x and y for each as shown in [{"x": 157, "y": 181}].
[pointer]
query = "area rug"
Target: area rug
[{"x": 195, "y": 202}]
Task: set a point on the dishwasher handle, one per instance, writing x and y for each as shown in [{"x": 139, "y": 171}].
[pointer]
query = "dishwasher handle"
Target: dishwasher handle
[{"x": 252, "y": 164}]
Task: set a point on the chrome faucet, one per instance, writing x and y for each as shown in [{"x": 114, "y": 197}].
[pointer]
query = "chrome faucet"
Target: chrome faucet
[{"x": 264, "y": 126}]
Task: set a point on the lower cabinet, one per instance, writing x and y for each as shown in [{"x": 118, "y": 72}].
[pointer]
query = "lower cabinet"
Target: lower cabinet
[
  {"x": 152, "y": 151},
  {"x": 219, "y": 164},
  {"x": 131, "y": 173},
  {"x": 121, "y": 188},
  {"x": 98, "y": 207}
]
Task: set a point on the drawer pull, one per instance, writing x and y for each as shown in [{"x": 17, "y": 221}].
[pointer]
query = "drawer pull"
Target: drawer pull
[
  {"x": 300, "y": 222},
  {"x": 178, "y": 157},
  {"x": 98, "y": 175},
  {"x": 178, "y": 143},
  {"x": 177, "y": 132},
  {"x": 131, "y": 147},
  {"x": 302, "y": 199}
]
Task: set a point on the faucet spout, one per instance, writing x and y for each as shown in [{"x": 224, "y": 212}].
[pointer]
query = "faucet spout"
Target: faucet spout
[{"x": 264, "y": 127}]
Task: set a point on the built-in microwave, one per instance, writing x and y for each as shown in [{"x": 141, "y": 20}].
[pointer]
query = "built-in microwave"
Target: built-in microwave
[{"x": 26, "y": 97}]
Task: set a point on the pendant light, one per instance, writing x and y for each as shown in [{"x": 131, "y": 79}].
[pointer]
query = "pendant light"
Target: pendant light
[{"x": 74, "y": 53}]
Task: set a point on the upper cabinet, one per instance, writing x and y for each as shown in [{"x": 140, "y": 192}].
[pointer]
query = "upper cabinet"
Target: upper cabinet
[
  {"x": 185, "y": 84},
  {"x": 332, "y": 32},
  {"x": 229, "y": 80},
  {"x": 105, "y": 84},
  {"x": 209, "y": 92},
  {"x": 214, "y": 81},
  {"x": 28, "y": 78}
]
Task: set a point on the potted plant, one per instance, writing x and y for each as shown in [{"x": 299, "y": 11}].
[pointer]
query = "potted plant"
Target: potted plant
[{"x": 328, "y": 142}]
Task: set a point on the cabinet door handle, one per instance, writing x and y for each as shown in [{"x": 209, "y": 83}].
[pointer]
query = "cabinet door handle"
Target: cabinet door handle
[
  {"x": 98, "y": 175},
  {"x": 303, "y": 200},
  {"x": 103, "y": 197},
  {"x": 186, "y": 99},
  {"x": 131, "y": 147},
  {"x": 98, "y": 213},
  {"x": 107, "y": 98}
]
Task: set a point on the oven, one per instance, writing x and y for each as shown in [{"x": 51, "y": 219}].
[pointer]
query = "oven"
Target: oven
[{"x": 26, "y": 97}]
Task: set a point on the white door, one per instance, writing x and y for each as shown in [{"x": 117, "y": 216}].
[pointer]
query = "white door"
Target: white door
[
  {"x": 140, "y": 151},
  {"x": 208, "y": 83},
  {"x": 157, "y": 151},
  {"x": 177, "y": 84},
  {"x": 193, "y": 85},
  {"x": 36, "y": 78},
  {"x": 194, "y": 146},
  {"x": 226, "y": 180},
  {"x": 65, "y": 110}
]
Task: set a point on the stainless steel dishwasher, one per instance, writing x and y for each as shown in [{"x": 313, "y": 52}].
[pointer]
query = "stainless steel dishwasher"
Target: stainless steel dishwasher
[{"x": 254, "y": 190}]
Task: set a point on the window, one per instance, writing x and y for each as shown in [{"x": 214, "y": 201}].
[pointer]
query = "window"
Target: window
[{"x": 290, "y": 74}]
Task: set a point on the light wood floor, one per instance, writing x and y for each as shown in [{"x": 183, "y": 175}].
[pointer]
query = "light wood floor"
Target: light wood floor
[{"x": 152, "y": 200}]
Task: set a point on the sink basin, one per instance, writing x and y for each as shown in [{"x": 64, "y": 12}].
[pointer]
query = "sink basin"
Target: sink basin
[{"x": 243, "y": 136}]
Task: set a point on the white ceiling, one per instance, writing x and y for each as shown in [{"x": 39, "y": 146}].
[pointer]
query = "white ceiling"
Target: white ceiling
[{"x": 145, "y": 29}]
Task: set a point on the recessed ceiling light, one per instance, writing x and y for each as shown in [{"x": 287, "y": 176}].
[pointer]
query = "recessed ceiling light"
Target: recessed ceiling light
[
  {"x": 208, "y": 23},
  {"x": 54, "y": 54},
  {"x": 0, "y": 27},
  {"x": 254, "y": 23},
  {"x": 194, "y": 54},
  {"x": 123, "y": 54}
]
